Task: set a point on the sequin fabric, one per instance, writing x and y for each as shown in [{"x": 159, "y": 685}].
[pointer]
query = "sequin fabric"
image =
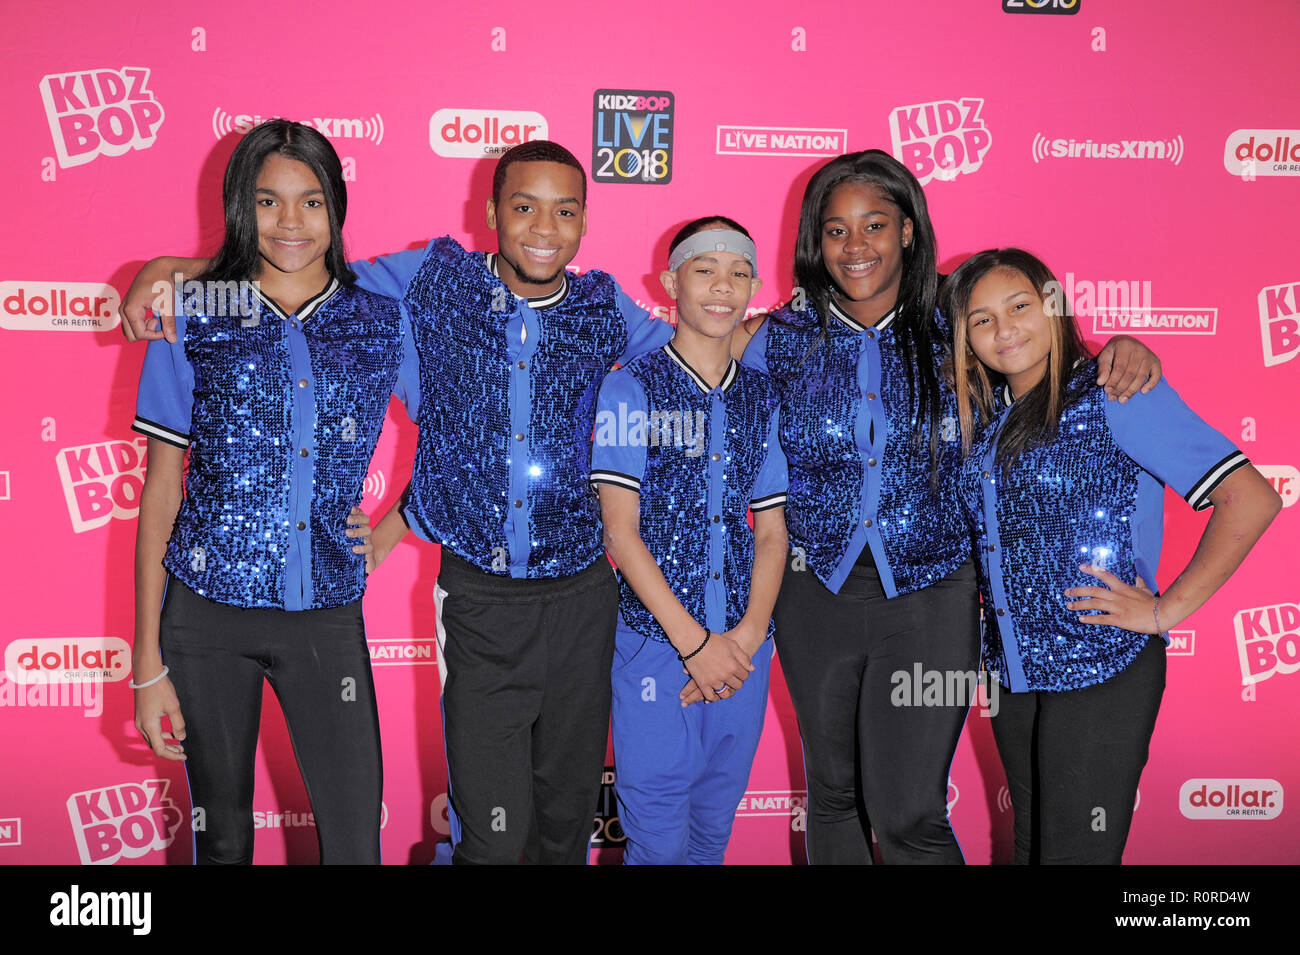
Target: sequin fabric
[
  {"x": 465, "y": 323},
  {"x": 825, "y": 388},
  {"x": 1072, "y": 502},
  {"x": 265, "y": 391},
  {"x": 677, "y": 523}
]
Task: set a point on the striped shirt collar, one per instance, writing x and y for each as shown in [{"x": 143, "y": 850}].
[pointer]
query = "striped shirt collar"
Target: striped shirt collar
[
  {"x": 308, "y": 307},
  {"x": 847, "y": 319},
  {"x": 543, "y": 301},
  {"x": 728, "y": 377}
]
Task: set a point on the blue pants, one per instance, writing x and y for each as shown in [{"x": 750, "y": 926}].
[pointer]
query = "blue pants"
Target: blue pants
[{"x": 680, "y": 772}]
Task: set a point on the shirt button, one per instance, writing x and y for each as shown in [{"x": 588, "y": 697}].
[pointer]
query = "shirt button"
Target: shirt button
[
  {"x": 871, "y": 333},
  {"x": 871, "y": 396},
  {"x": 717, "y": 457},
  {"x": 985, "y": 475},
  {"x": 293, "y": 322},
  {"x": 304, "y": 452},
  {"x": 519, "y": 437},
  {"x": 867, "y": 522},
  {"x": 992, "y": 548},
  {"x": 519, "y": 503},
  {"x": 523, "y": 364},
  {"x": 302, "y": 382},
  {"x": 302, "y": 525},
  {"x": 871, "y": 462},
  {"x": 716, "y": 518},
  {"x": 716, "y": 575},
  {"x": 1001, "y": 612}
]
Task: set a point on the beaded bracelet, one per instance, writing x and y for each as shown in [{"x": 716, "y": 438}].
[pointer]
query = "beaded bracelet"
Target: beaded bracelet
[
  {"x": 140, "y": 686},
  {"x": 1155, "y": 612},
  {"x": 697, "y": 649}
]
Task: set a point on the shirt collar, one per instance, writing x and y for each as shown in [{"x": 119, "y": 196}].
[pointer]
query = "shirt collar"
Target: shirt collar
[
  {"x": 847, "y": 319},
  {"x": 306, "y": 309},
  {"x": 543, "y": 301},
  {"x": 728, "y": 377}
]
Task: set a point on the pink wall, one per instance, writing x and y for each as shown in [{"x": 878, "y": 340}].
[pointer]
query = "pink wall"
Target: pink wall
[{"x": 759, "y": 91}]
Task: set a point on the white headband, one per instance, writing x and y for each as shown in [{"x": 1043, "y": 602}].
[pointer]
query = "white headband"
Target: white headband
[{"x": 713, "y": 240}]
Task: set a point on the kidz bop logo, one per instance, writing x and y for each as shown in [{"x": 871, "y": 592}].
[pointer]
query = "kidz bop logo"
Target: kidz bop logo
[
  {"x": 364, "y": 127},
  {"x": 632, "y": 136},
  {"x": 1066, "y": 7},
  {"x": 128, "y": 820},
  {"x": 102, "y": 481},
  {"x": 1262, "y": 152},
  {"x": 607, "y": 830},
  {"x": 1278, "y": 308},
  {"x": 1285, "y": 480},
  {"x": 100, "y": 112},
  {"x": 1230, "y": 799},
  {"x": 1268, "y": 641},
  {"x": 940, "y": 140},
  {"x": 475, "y": 133},
  {"x": 58, "y": 306}
]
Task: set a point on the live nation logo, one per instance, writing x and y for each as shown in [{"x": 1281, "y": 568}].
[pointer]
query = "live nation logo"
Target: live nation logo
[
  {"x": 941, "y": 139},
  {"x": 1279, "y": 322},
  {"x": 100, "y": 112},
  {"x": 781, "y": 141},
  {"x": 128, "y": 819},
  {"x": 58, "y": 306},
  {"x": 102, "y": 481},
  {"x": 632, "y": 136},
  {"x": 1268, "y": 641},
  {"x": 475, "y": 133}
]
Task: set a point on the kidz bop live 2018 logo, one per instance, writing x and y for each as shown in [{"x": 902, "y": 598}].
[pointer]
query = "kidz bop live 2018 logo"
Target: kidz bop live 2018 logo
[
  {"x": 632, "y": 136},
  {"x": 940, "y": 140},
  {"x": 100, "y": 112}
]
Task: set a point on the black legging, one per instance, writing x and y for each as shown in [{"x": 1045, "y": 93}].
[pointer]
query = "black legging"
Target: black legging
[
  {"x": 1073, "y": 761},
  {"x": 872, "y": 764},
  {"x": 319, "y": 667}
]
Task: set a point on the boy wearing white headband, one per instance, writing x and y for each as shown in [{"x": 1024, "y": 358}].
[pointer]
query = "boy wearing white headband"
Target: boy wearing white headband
[{"x": 685, "y": 444}]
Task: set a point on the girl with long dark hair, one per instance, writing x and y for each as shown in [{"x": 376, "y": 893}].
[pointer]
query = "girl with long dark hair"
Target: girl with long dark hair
[
  {"x": 275, "y": 390},
  {"x": 880, "y": 590},
  {"x": 1064, "y": 494}
]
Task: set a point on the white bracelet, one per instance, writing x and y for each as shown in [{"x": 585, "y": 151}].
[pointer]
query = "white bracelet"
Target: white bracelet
[{"x": 140, "y": 686}]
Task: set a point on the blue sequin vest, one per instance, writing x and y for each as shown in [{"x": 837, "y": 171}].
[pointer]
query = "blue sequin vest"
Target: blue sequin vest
[
  {"x": 675, "y": 518},
  {"x": 1068, "y": 503},
  {"x": 459, "y": 493},
  {"x": 924, "y": 536},
  {"x": 248, "y": 482}
]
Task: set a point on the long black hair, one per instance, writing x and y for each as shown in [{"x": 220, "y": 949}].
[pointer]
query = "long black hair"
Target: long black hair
[
  {"x": 917, "y": 332},
  {"x": 238, "y": 258},
  {"x": 1036, "y": 416}
]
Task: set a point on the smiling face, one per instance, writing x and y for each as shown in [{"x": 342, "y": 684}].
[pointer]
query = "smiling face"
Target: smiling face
[
  {"x": 293, "y": 225},
  {"x": 540, "y": 220},
  {"x": 712, "y": 291},
  {"x": 863, "y": 236},
  {"x": 1008, "y": 328}
]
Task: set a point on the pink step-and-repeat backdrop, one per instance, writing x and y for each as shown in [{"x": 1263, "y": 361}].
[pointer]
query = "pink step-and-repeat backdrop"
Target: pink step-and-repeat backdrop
[{"x": 1148, "y": 151}]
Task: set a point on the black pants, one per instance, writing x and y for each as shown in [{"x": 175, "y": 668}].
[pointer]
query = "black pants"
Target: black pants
[
  {"x": 525, "y": 710},
  {"x": 1073, "y": 761},
  {"x": 319, "y": 667},
  {"x": 873, "y": 759}
]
